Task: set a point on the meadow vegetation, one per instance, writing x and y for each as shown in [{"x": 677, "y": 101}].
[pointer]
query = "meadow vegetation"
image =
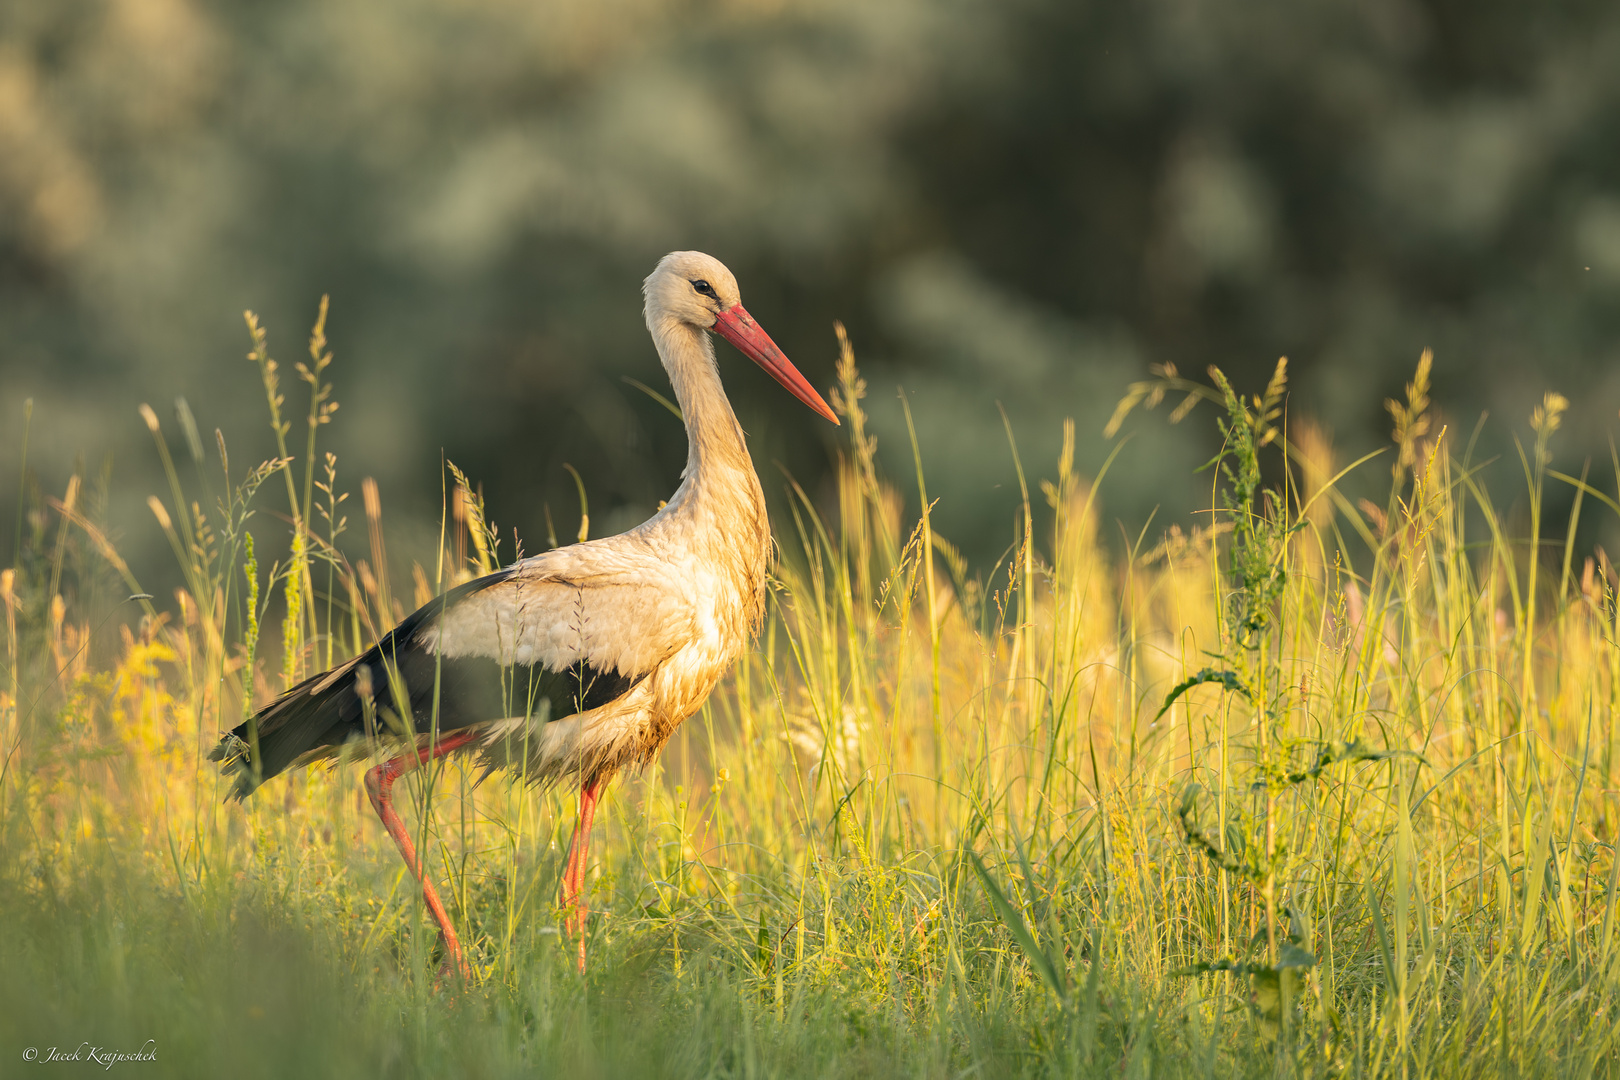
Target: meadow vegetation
[{"x": 1318, "y": 787}]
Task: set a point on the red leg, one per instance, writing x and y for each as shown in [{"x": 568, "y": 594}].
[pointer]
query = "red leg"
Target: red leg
[
  {"x": 380, "y": 786},
  {"x": 573, "y": 883}
]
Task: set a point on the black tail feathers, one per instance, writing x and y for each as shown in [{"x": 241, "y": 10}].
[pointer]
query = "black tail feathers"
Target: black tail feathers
[{"x": 379, "y": 693}]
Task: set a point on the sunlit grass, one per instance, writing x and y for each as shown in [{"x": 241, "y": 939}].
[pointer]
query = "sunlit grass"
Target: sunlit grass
[{"x": 941, "y": 821}]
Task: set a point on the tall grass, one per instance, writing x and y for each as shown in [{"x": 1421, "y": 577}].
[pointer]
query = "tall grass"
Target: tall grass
[{"x": 1316, "y": 787}]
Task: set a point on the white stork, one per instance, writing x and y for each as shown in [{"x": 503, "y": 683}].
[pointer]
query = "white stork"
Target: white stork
[{"x": 585, "y": 659}]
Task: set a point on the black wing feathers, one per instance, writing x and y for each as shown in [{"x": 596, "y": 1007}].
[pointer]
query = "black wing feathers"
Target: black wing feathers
[{"x": 389, "y": 690}]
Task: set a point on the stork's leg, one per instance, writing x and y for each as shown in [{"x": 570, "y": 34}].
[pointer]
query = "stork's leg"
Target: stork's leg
[
  {"x": 573, "y": 883},
  {"x": 380, "y": 786}
]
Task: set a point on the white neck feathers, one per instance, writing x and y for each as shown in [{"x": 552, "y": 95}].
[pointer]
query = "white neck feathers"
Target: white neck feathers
[{"x": 714, "y": 438}]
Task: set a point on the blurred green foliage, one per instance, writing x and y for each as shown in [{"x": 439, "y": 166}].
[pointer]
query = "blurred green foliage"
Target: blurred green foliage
[{"x": 1023, "y": 201}]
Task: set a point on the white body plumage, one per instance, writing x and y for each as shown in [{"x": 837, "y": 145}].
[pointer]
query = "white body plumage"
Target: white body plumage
[{"x": 671, "y": 604}]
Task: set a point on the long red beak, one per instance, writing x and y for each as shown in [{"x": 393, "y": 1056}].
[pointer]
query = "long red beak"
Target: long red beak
[{"x": 738, "y": 327}]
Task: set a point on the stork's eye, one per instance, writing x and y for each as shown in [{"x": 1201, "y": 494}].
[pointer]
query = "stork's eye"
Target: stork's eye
[{"x": 705, "y": 288}]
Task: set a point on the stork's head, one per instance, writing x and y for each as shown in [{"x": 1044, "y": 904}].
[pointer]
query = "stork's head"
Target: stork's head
[{"x": 696, "y": 289}]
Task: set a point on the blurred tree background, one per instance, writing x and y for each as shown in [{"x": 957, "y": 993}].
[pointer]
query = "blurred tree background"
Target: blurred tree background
[{"x": 1015, "y": 201}]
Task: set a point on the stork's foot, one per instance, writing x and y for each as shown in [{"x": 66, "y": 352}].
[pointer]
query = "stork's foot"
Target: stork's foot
[
  {"x": 454, "y": 963},
  {"x": 578, "y": 924},
  {"x": 454, "y": 971},
  {"x": 576, "y": 921}
]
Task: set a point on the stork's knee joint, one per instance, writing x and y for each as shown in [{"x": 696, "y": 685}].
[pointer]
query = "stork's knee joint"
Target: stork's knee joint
[{"x": 380, "y": 781}]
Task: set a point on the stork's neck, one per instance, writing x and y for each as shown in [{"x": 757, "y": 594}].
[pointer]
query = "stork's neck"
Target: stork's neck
[
  {"x": 716, "y": 518},
  {"x": 717, "y": 461}
]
